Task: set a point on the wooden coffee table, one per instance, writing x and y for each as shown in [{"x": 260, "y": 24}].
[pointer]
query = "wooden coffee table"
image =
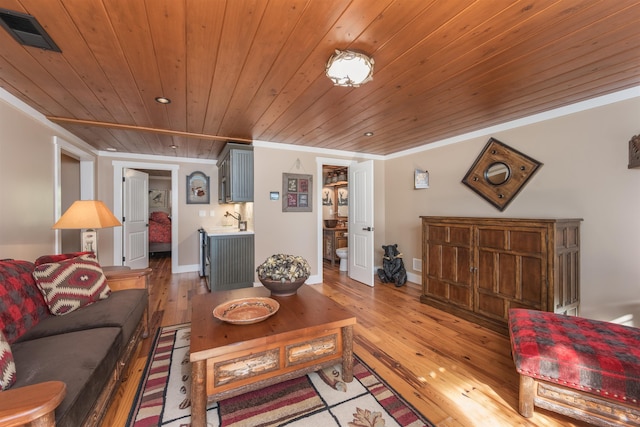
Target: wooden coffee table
[{"x": 309, "y": 332}]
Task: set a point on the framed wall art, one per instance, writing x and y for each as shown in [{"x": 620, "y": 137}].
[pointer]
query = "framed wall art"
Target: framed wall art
[
  {"x": 342, "y": 196},
  {"x": 198, "y": 188},
  {"x": 420, "y": 179},
  {"x": 157, "y": 198},
  {"x": 297, "y": 192}
]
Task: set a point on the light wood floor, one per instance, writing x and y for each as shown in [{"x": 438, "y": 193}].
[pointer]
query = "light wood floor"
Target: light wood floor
[{"x": 454, "y": 372}]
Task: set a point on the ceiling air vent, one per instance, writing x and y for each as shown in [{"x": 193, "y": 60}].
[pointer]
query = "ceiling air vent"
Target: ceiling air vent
[{"x": 26, "y": 30}]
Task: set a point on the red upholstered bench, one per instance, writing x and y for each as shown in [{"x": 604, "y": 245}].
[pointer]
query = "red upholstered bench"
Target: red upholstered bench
[{"x": 586, "y": 369}]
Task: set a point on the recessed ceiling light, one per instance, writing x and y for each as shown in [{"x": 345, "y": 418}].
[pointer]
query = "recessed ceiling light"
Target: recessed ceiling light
[
  {"x": 174, "y": 146},
  {"x": 163, "y": 100},
  {"x": 111, "y": 149},
  {"x": 368, "y": 134}
]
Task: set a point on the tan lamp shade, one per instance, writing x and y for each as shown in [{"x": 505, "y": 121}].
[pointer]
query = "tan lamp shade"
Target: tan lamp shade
[{"x": 87, "y": 214}]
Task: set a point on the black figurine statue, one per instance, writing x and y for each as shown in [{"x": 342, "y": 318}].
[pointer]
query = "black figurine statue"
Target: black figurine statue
[{"x": 392, "y": 270}]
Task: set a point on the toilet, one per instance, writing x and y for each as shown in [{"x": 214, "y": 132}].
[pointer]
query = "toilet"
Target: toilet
[{"x": 342, "y": 254}]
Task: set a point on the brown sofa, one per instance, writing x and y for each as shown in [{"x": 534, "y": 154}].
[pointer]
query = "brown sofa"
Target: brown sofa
[{"x": 72, "y": 363}]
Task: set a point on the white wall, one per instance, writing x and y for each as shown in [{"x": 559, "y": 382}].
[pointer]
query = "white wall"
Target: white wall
[{"x": 585, "y": 175}]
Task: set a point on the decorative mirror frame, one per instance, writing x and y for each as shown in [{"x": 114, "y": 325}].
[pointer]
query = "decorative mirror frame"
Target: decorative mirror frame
[{"x": 520, "y": 170}]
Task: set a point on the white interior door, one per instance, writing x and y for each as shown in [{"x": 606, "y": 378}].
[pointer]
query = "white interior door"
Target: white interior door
[
  {"x": 361, "y": 222},
  {"x": 135, "y": 208}
]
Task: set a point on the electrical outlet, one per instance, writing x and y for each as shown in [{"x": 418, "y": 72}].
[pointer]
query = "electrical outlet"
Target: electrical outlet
[{"x": 417, "y": 264}]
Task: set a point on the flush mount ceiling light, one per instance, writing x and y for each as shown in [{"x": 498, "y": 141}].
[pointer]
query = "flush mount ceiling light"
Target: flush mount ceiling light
[{"x": 348, "y": 68}]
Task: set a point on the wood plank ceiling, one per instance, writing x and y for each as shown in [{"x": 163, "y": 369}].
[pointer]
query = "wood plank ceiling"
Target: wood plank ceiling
[{"x": 254, "y": 69}]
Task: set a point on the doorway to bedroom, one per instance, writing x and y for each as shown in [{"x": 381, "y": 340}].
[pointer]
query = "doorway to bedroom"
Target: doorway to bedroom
[
  {"x": 164, "y": 200},
  {"x": 159, "y": 213}
]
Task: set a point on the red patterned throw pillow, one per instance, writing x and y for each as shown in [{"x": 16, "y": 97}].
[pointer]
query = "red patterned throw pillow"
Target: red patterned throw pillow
[
  {"x": 70, "y": 284},
  {"x": 21, "y": 303},
  {"x": 7, "y": 365}
]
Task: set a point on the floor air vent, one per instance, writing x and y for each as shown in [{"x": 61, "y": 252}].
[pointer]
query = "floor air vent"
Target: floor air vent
[{"x": 26, "y": 30}]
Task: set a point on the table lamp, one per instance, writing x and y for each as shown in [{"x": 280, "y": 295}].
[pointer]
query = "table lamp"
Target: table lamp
[{"x": 88, "y": 215}]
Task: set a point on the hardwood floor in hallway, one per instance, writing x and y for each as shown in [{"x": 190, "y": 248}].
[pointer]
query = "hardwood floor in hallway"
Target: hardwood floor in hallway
[{"x": 453, "y": 371}]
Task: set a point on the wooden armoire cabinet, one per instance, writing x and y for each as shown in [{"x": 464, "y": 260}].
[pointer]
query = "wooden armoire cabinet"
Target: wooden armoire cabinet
[{"x": 479, "y": 268}]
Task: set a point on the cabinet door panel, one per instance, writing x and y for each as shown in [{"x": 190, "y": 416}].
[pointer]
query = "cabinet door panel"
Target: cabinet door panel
[
  {"x": 449, "y": 263},
  {"x": 486, "y": 270},
  {"x": 492, "y": 238},
  {"x": 437, "y": 234},
  {"x": 491, "y": 305},
  {"x": 507, "y": 275},
  {"x": 436, "y": 288},
  {"x": 434, "y": 260},
  {"x": 526, "y": 241},
  {"x": 460, "y": 295},
  {"x": 460, "y": 236},
  {"x": 464, "y": 266},
  {"x": 533, "y": 281}
]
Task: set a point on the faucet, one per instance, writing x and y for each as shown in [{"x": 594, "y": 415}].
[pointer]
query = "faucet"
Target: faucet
[{"x": 239, "y": 217}]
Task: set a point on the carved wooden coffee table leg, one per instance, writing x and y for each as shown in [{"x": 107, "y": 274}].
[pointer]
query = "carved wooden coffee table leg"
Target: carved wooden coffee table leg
[
  {"x": 198, "y": 394},
  {"x": 347, "y": 353}
]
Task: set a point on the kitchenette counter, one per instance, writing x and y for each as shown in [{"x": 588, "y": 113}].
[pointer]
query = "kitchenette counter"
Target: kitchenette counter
[{"x": 225, "y": 231}]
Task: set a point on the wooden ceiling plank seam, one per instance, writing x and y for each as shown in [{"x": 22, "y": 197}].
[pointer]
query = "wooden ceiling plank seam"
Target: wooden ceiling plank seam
[
  {"x": 355, "y": 107},
  {"x": 232, "y": 56},
  {"x": 516, "y": 111},
  {"x": 379, "y": 16},
  {"x": 102, "y": 41},
  {"x": 573, "y": 77},
  {"x": 23, "y": 61},
  {"x": 289, "y": 23},
  {"x": 31, "y": 93},
  {"x": 301, "y": 105},
  {"x": 296, "y": 76},
  {"x": 354, "y": 100},
  {"x": 568, "y": 78},
  {"x": 82, "y": 60},
  {"x": 133, "y": 38},
  {"x": 201, "y": 59},
  {"x": 445, "y": 88},
  {"x": 546, "y": 75},
  {"x": 166, "y": 21},
  {"x": 238, "y": 91},
  {"x": 281, "y": 105}
]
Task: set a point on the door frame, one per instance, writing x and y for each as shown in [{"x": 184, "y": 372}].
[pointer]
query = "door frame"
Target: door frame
[
  {"x": 321, "y": 161},
  {"x": 118, "y": 174},
  {"x": 87, "y": 186}
]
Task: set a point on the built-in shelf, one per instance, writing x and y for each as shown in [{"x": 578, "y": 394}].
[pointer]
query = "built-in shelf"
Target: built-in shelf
[{"x": 335, "y": 184}]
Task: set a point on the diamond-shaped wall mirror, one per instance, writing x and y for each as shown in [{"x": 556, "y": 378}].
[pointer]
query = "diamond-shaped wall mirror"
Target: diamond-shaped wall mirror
[{"x": 499, "y": 173}]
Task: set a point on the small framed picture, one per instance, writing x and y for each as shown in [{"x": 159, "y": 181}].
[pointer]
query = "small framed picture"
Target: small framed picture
[
  {"x": 420, "y": 179},
  {"x": 197, "y": 188},
  {"x": 274, "y": 195},
  {"x": 297, "y": 192},
  {"x": 157, "y": 198}
]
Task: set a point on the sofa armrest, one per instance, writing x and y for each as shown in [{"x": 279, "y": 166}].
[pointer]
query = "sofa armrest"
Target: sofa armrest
[
  {"x": 31, "y": 404},
  {"x": 119, "y": 279}
]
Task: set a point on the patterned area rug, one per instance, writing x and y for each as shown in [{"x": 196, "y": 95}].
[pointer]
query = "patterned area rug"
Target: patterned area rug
[{"x": 317, "y": 399}]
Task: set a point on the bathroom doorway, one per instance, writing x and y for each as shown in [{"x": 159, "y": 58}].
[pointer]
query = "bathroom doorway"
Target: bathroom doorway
[{"x": 333, "y": 217}]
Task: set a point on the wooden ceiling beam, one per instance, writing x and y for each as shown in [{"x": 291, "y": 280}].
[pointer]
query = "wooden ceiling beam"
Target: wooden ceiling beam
[{"x": 68, "y": 120}]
